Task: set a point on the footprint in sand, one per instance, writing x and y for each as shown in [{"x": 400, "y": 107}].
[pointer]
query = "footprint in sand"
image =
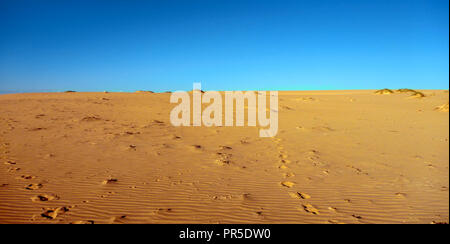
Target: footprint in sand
[
  {"x": 430, "y": 165},
  {"x": 90, "y": 119},
  {"x": 244, "y": 141},
  {"x": 83, "y": 222},
  {"x": 196, "y": 147},
  {"x": 277, "y": 140},
  {"x": 44, "y": 198},
  {"x": 304, "y": 99},
  {"x": 26, "y": 177},
  {"x": 299, "y": 195},
  {"x": 285, "y": 161},
  {"x": 107, "y": 194},
  {"x": 110, "y": 181},
  {"x": 223, "y": 158},
  {"x": 283, "y": 167},
  {"x": 37, "y": 129},
  {"x": 283, "y": 156},
  {"x": 310, "y": 209},
  {"x": 118, "y": 219},
  {"x": 163, "y": 210},
  {"x": 12, "y": 169},
  {"x": 158, "y": 122},
  {"x": 175, "y": 137},
  {"x": 323, "y": 129},
  {"x": 246, "y": 197},
  {"x": 287, "y": 184},
  {"x": 334, "y": 221},
  {"x": 289, "y": 174},
  {"x": 333, "y": 209},
  {"x": 34, "y": 186},
  {"x": 10, "y": 162},
  {"x": 358, "y": 170},
  {"x": 222, "y": 197},
  {"x": 442, "y": 108},
  {"x": 52, "y": 213},
  {"x": 439, "y": 223},
  {"x": 356, "y": 216}
]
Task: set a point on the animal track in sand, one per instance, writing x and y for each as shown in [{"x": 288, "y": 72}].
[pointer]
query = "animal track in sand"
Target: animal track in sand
[
  {"x": 44, "y": 198},
  {"x": 34, "y": 186},
  {"x": 310, "y": 209}
]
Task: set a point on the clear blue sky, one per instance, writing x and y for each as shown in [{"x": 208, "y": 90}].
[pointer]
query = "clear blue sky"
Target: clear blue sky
[{"x": 226, "y": 45}]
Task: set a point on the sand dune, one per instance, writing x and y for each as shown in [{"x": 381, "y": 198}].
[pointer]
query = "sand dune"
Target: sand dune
[{"x": 338, "y": 157}]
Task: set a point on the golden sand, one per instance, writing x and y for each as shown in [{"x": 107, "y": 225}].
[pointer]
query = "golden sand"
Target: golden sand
[{"x": 338, "y": 157}]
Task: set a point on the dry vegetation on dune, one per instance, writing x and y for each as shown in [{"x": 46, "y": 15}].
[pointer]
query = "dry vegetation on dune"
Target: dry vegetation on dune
[
  {"x": 402, "y": 90},
  {"x": 414, "y": 93},
  {"x": 384, "y": 91}
]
